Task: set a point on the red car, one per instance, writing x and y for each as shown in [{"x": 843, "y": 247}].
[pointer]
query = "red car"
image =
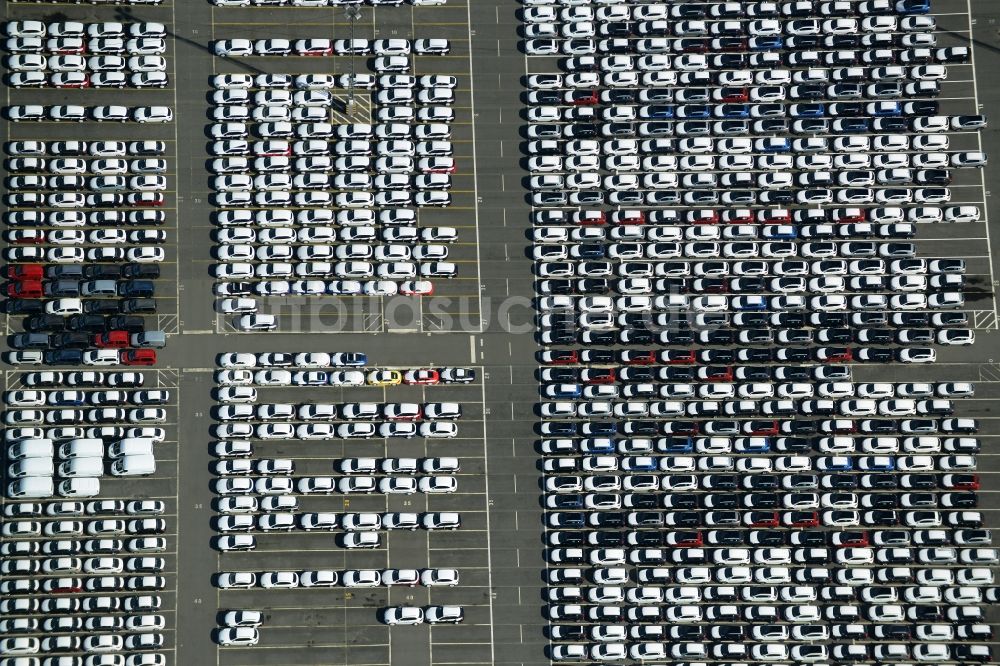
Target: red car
[
  {"x": 635, "y": 357},
  {"x": 137, "y": 357},
  {"x": 26, "y": 289},
  {"x": 801, "y": 519},
  {"x": 111, "y": 340},
  {"x": 849, "y": 215},
  {"x": 715, "y": 374},
  {"x": 733, "y": 95},
  {"x": 677, "y": 356},
  {"x": 560, "y": 357},
  {"x": 597, "y": 376},
  {"x": 83, "y": 82},
  {"x": 581, "y": 97},
  {"x": 26, "y": 272},
  {"x": 761, "y": 428},
  {"x": 146, "y": 199},
  {"x": 422, "y": 377},
  {"x": 26, "y": 236},
  {"x": 589, "y": 217},
  {"x": 837, "y": 355},
  {"x": 761, "y": 518}
]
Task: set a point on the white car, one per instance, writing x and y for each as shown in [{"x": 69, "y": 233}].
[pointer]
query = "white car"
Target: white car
[
  {"x": 241, "y": 636},
  {"x": 403, "y": 615}
]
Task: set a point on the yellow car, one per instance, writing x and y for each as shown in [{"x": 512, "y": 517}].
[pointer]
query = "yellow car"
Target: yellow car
[{"x": 385, "y": 378}]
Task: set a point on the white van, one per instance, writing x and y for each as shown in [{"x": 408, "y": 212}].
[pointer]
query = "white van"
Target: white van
[
  {"x": 88, "y": 466},
  {"x": 85, "y": 486},
  {"x": 31, "y": 486},
  {"x": 141, "y": 465},
  {"x": 82, "y": 448},
  {"x": 131, "y": 446},
  {"x": 31, "y": 467},
  {"x": 30, "y": 448}
]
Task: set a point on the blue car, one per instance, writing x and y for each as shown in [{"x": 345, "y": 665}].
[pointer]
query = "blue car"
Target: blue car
[
  {"x": 564, "y": 391},
  {"x": 599, "y": 429},
  {"x": 766, "y": 43},
  {"x": 877, "y": 463},
  {"x": 773, "y": 145},
  {"x": 732, "y": 111},
  {"x": 913, "y": 6},
  {"x": 598, "y": 445},
  {"x": 781, "y": 232},
  {"x": 658, "y": 111},
  {"x": 883, "y": 109},
  {"x": 854, "y": 125},
  {"x": 350, "y": 359},
  {"x": 807, "y": 110},
  {"x": 753, "y": 444},
  {"x": 834, "y": 464},
  {"x": 675, "y": 445},
  {"x": 695, "y": 111}
]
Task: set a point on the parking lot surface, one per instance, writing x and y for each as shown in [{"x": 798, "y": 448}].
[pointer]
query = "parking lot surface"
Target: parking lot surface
[{"x": 483, "y": 319}]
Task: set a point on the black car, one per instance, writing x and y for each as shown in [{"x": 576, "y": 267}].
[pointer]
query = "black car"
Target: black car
[
  {"x": 593, "y": 286},
  {"x": 726, "y": 537},
  {"x": 801, "y": 427},
  {"x": 607, "y": 519},
  {"x": 568, "y": 632},
  {"x": 761, "y": 482},
  {"x": 64, "y": 271},
  {"x": 677, "y": 501},
  {"x": 767, "y": 537},
  {"x": 753, "y": 373},
  {"x": 883, "y": 500},
  {"x": 24, "y": 306},
  {"x": 568, "y": 501},
  {"x": 646, "y": 539},
  {"x": 599, "y": 428},
  {"x": 102, "y": 272},
  {"x": 615, "y": 29},
  {"x": 719, "y": 501},
  {"x": 840, "y": 481},
  {"x": 722, "y": 481},
  {"x": 73, "y": 340},
  {"x": 101, "y": 307},
  {"x": 64, "y": 357},
  {"x": 560, "y": 374},
  {"x": 884, "y": 482},
  {"x": 126, "y": 323},
  {"x": 641, "y": 428},
  {"x": 152, "y": 271},
  {"x": 793, "y": 444},
  {"x": 607, "y": 539},
  {"x": 45, "y": 322},
  {"x": 875, "y": 336},
  {"x": 560, "y": 337},
  {"x": 567, "y": 538}
]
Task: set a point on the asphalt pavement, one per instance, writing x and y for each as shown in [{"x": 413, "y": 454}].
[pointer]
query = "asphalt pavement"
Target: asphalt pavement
[{"x": 491, "y": 297}]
